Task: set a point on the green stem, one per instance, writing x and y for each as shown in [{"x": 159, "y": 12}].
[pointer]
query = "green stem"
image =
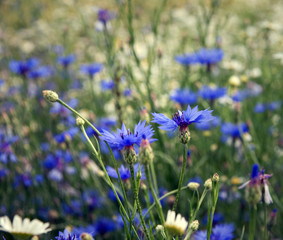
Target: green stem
[
  {"x": 252, "y": 222},
  {"x": 156, "y": 200},
  {"x": 265, "y": 221},
  {"x": 215, "y": 191},
  {"x": 78, "y": 114},
  {"x": 181, "y": 179},
  {"x": 108, "y": 180},
  {"x": 136, "y": 198},
  {"x": 164, "y": 196},
  {"x": 190, "y": 231}
]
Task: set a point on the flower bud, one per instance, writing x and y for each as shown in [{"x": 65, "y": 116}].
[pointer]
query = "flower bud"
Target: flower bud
[
  {"x": 50, "y": 96},
  {"x": 253, "y": 193},
  {"x": 145, "y": 152},
  {"x": 194, "y": 225},
  {"x": 215, "y": 177},
  {"x": 86, "y": 236},
  {"x": 129, "y": 154},
  {"x": 208, "y": 184},
  {"x": 184, "y": 135},
  {"x": 80, "y": 121},
  {"x": 193, "y": 186}
]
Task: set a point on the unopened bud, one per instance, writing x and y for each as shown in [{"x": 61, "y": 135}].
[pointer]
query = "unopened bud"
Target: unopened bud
[
  {"x": 215, "y": 177},
  {"x": 159, "y": 228},
  {"x": 129, "y": 154},
  {"x": 253, "y": 194},
  {"x": 208, "y": 184},
  {"x": 80, "y": 121},
  {"x": 50, "y": 96},
  {"x": 86, "y": 236},
  {"x": 145, "y": 152},
  {"x": 193, "y": 186},
  {"x": 194, "y": 225},
  {"x": 184, "y": 135}
]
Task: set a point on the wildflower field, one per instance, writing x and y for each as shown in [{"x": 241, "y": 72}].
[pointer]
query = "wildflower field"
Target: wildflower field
[{"x": 131, "y": 119}]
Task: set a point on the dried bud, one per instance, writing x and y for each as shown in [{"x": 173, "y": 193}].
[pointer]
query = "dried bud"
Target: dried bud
[
  {"x": 215, "y": 177},
  {"x": 253, "y": 193},
  {"x": 208, "y": 184},
  {"x": 194, "y": 225},
  {"x": 80, "y": 121},
  {"x": 50, "y": 96},
  {"x": 193, "y": 186}
]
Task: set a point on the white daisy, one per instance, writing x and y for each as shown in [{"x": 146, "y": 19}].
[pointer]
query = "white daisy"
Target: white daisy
[
  {"x": 23, "y": 228},
  {"x": 175, "y": 226}
]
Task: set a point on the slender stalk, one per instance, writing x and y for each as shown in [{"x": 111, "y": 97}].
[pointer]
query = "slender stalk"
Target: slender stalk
[
  {"x": 136, "y": 198},
  {"x": 78, "y": 114},
  {"x": 181, "y": 179},
  {"x": 265, "y": 222},
  {"x": 215, "y": 191},
  {"x": 164, "y": 196},
  {"x": 252, "y": 222},
  {"x": 108, "y": 180},
  {"x": 189, "y": 233},
  {"x": 152, "y": 170},
  {"x": 156, "y": 200}
]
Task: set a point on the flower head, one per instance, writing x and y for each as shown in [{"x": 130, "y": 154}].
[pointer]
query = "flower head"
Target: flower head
[
  {"x": 124, "y": 172},
  {"x": 181, "y": 120},
  {"x": 257, "y": 187},
  {"x": 65, "y": 61},
  {"x": 66, "y": 235},
  {"x": 184, "y": 96},
  {"x": 23, "y": 228},
  {"x": 219, "y": 232},
  {"x": 91, "y": 69},
  {"x": 23, "y": 67},
  {"x": 211, "y": 93},
  {"x": 125, "y": 138},
  {"x": 175, "y": 225},
  {"x": 209, "y": 56}
]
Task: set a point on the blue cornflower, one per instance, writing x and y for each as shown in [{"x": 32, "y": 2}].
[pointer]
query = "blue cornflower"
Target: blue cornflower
[
  {"x": 187, "y": 59},
  {"x": 206, "y": 126},
  {"x": 107, "y": 85},
  {"x": 219, "y": 232},
  {"x": 274, "y": 105},
  {"x": 184, "y": 96},
  {"x": 234, "y": 130},
  {"x": 259, "y": 108},
  {"x": 66, "y": 236},
  {"x": 65, "y": 61},
  {"x": 91, "y": 69},
  {"x": 181, "y": 120},
  {"x": 127, "y": 92},
  {"x": 212, "y": 93},
  {"x": 104, "y": 16},
  {"x": 66, "y": 135},
  {"x": 41, "y": 72},
  {"x": 23, "y": 67},
  {"x": 103, "y": 226},
  {"x": 124, "y": 138},
  {"x": 241, "y": 95},
  {"x": 87, "y": 229},
  {"x": 124, "y": 172},
  {"x": 209, "y": 56}
]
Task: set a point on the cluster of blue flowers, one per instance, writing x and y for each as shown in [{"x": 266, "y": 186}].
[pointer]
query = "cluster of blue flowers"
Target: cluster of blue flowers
[{"x": 203, "y": 56}]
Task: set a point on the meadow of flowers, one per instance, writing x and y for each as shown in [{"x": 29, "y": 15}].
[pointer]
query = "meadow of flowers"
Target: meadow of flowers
[{"x": 133, "y": 119}]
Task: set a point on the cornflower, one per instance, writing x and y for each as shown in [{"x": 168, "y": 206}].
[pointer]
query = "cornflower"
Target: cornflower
[{"x": 181, "y": 120}]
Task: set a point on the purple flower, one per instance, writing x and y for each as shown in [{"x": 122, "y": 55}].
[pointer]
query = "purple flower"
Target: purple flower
[
  {"x": 125, "y": 138},
  {"x": 219, "y": 232},
  {"x": 23, "y": 67},
  {"x": 182, "y": 119},
  {"x": 91, "y": 69},
  {"x": 66, "y": 236},
  {"x": 211, "y": 93},
  {"x": 184, "y": 96},
  {"x": 124, "y": 172},
  {"x": 104, "y": 16},
  {"x": 65, "y": 61}
]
